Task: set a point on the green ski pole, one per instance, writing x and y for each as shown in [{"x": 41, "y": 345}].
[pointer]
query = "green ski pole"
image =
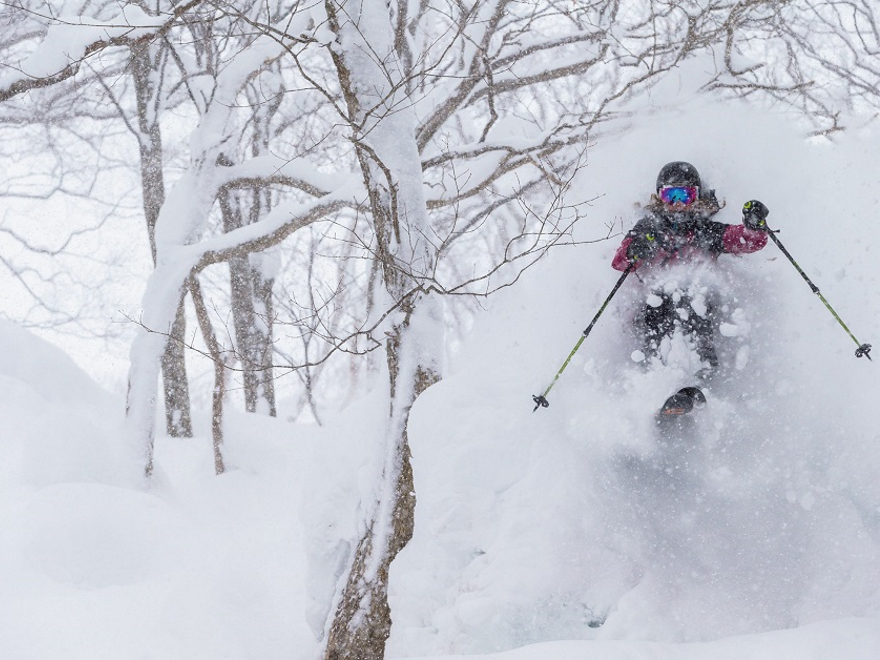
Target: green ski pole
[
  {"x": 863, "y": 349},
  {"x": 541, "y": 399},
  {"x": 755, "y": 217}
]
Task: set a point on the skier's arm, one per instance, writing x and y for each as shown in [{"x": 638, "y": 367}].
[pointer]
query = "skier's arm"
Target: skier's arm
[
  {"x": 639, "y": 245},
  {"x": 733, "y": 239},
  {"x": 621, "y": 262},
  {"x": 739, "y": 239}
]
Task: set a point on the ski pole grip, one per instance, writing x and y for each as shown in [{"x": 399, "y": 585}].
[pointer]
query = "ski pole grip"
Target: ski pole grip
[{"x": 540, "y": 401}]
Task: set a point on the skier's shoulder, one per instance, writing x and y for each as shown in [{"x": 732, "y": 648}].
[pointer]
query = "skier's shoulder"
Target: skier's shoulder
[{"x": 703, "y": 211}]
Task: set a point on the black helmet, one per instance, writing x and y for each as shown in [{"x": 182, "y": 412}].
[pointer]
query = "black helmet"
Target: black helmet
[{"x": 678, "y": 173}]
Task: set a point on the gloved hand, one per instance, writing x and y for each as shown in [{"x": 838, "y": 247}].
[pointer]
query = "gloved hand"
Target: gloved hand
[
  {"x": 642, "y": 246},
  {"x": 755, "y": 215}
]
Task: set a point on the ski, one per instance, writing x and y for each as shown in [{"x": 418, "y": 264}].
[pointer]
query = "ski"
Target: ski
[{"x": 682, "y": 402}]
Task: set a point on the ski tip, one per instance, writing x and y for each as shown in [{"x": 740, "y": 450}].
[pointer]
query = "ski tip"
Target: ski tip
[
  {"x": 683, "y": 402},
  {"x": 675, "y": 411},
  {"x": 695, "y": 393}
]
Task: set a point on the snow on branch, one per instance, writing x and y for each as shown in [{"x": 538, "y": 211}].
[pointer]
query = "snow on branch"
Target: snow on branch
[
  {"x": 283, "y": 221},
  {"x": 68, "y": 44},
  {"x": 272, "y": 170}
]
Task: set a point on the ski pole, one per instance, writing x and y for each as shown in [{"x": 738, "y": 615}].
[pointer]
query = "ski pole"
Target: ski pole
[
  {"x": 863, "y": 349},
  {"x": 541, "y": 399}
]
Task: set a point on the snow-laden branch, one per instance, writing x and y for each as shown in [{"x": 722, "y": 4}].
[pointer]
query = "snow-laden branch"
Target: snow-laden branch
[
  {"x": 174, "y": 268},
  {"x": 281, "y": 222},
  {"x": 68, "y": 44},
  {"x": 274, "y": 170}
]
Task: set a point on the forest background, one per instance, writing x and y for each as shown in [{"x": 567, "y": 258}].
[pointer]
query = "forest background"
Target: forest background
[{"x": 274, "y": 230}]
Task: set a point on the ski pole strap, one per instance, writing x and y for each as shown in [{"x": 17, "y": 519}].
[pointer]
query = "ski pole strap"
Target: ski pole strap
[
  {"x": 541, "y": 399},
  {"x": 863, "y": 349}
]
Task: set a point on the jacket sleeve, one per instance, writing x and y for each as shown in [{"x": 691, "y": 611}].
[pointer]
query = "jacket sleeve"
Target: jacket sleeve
[
  {"x": 739, "y": 239},
  {"x": 620, "y": 262}
]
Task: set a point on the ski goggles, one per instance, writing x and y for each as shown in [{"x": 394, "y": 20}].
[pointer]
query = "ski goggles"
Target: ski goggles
[{"x": 679, "y": 194}]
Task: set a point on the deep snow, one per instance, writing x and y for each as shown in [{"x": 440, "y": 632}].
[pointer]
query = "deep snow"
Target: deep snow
[
  {"x": 572, "y": 532},
  {"x": 530, "y": 526}
]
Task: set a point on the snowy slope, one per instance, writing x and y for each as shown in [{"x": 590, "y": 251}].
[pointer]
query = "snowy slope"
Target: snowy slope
[
  {"x": 578, "y": 521},
  {"x": 852, "y": 639},
  {"x": 571, "y": 532},
  {"x": 96, "y": 563}
]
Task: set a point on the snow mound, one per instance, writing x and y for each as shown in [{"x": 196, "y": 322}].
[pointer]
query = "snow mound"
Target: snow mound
[
  {"x": 45, "y": 368},
  {"x": 97, "y": 562},
  {"x": 60, "y": 426}
]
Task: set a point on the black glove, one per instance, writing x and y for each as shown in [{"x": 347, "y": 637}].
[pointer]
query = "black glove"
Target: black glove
[
  {"x": 642, "y": 246},
  {"x": 755, "y": 215}
]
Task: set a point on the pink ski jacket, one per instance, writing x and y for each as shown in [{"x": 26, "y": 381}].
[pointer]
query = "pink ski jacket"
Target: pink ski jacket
[{"x": 682, "y": 237}]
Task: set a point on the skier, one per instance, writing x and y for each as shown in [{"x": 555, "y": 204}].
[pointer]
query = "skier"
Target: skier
[{"x": 677, "y": 229}]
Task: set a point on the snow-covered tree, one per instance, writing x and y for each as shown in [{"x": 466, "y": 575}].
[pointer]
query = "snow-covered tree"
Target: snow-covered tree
[{"x": 126, "y": 89}]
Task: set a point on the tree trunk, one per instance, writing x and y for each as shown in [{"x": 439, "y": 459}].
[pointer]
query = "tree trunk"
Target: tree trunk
[
  {"x": 178, "y": 417},
  {"x": 251, "y": 297},
  {"x": 372, "y": 75},
  {"x": 362, "y": 621},
  {"x": 219, "y": 394},
  {"x": 264, "y": 349}
]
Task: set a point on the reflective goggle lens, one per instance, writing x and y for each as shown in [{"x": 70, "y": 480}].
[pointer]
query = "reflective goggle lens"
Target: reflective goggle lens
[{"x": 679, "y": 194}]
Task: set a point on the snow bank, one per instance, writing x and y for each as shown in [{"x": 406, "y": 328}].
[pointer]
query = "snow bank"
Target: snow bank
[
  {"x": 96, "y": 563},
  {"x": 56, "y": 420}
]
